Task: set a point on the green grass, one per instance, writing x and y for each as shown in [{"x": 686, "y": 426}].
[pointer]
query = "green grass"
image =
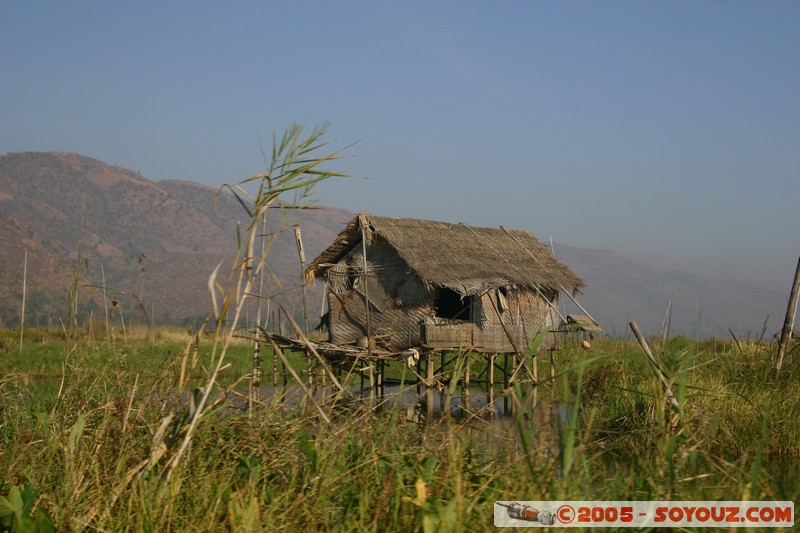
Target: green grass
[{"x": 80, "y": 452}]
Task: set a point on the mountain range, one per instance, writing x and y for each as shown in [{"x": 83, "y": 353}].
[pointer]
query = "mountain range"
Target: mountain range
[{"x": 154, "y": 244}]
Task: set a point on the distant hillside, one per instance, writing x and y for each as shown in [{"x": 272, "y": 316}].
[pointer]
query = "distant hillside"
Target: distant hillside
[
  {"x": 158, "y": 242},
  {"x": 619, "y": 290}
]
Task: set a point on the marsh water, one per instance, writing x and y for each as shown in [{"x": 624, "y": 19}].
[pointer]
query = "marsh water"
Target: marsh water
[{"x": 491, "y": 417}]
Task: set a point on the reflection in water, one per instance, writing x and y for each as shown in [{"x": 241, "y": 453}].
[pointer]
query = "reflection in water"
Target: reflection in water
[{"x": 489, "y": 417}]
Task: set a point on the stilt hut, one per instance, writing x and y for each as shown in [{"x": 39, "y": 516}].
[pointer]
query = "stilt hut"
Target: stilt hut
[{"x": 407, "y": 283}]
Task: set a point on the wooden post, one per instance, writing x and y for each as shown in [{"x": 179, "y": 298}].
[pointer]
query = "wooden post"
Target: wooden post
[
  {"x": 380, "y": 379},
  {"x": 429, "y": 383},
  {"x": 419, "y": 376},
  {"x": 430, "y": 366},
  {"x": 465, "y": 395},
  {"x": 301, "y": 253},
  {"x": 274, "y": 369},
  {"x": 491, "y": 381},
  {"x": 371, "y": 383},
  {"x": 24, "y": 288},
  {"x": 788, "y": 322},
  {"x": 255, "y": 382},
  {"x": 105, "y": 306}
]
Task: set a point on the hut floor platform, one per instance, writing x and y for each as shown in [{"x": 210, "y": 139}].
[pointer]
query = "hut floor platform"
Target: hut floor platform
[{"x": 339, "y": 351}]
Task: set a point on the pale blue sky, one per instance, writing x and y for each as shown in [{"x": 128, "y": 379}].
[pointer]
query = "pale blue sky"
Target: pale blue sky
[{"x": 667, "y": 131}]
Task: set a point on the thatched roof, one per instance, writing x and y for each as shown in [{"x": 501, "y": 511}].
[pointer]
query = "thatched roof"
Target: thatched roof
[{"x": 466, "y": 259}]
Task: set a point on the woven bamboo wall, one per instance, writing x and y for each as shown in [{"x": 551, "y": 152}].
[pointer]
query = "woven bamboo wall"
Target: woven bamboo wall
[
  {"x": 399, "y": 301},
  {"x": 526, "y": 314},
  {"x": 446, "y": 333}
]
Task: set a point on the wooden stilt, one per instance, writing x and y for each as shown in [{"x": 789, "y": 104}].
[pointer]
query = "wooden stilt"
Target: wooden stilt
[
  {"x": 786, "y": 331},
  {"x": 371, "y": 383},
  {"x": 429, "y": 381},
  {"x": 255, "y": 383},
  {"x": 274, "y": 369},
  {"x": 429, "y": 399},
  {"x": 506, "y": 406},
  {"x": 422, "y": 371},
  {"x": 491, "y": 381},
  {"x": 465, "y": 395},
  {"x": 381, "y": 369}
]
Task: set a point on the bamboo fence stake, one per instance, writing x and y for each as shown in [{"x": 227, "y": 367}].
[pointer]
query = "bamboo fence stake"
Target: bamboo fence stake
[
  {"x": 24, "y": 287},
  {"x": 255, "y": 380},
  {"x": 788, "y": 323},
  {"x": 301, "y": 253},
  {"x": 654, "y": 365},
  {"x": 491, "y": 381}
]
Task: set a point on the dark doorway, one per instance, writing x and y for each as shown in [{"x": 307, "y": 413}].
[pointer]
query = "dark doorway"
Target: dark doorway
[{"x": 449, "y": 304}]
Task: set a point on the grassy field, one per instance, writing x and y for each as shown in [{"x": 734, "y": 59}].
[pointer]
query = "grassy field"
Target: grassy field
[{"x": 90, "y": 431}]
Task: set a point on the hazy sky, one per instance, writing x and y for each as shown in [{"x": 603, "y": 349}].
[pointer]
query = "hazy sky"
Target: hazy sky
[{"x": 666, "y": 131}]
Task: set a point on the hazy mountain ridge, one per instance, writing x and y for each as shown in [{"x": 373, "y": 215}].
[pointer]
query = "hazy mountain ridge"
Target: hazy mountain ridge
[
  {"x": 619, "y": 290},
  {"x": 158, "y": 241}
]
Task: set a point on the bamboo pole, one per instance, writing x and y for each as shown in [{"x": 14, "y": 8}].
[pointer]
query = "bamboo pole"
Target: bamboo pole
[
  {"x": 362, "y": 222},
  {"x": 429, "y": 368},
  {"x": 105, "y": 305},
  {"x": 465, "y": 395},
  {"x": 788, "y": 322},
  {"x": 429, "y": 393},
  {"x": 491, "y": 381},
  {"x": 24, "y": 289},
  {"x": 301, "y": 253},
  {"x": 654, "y": 365},
  {"x": 255, "y": 379},
  {"x": 372, "y": 383}
]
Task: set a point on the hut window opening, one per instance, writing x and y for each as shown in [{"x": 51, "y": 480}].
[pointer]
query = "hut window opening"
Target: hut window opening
[{"x": 450, "y": 304}]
